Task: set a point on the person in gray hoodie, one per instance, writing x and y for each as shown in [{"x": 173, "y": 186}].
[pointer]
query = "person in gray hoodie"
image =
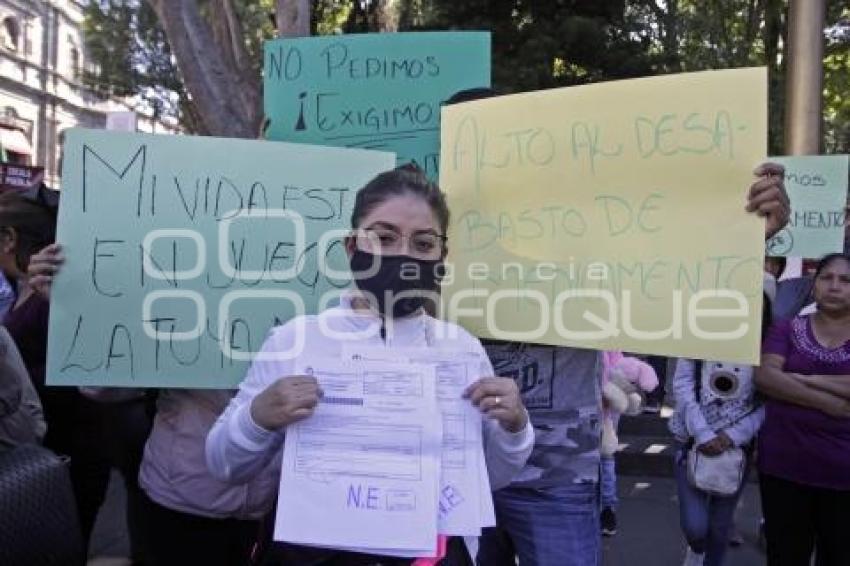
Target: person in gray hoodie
[{"x": 21, "y": 415}]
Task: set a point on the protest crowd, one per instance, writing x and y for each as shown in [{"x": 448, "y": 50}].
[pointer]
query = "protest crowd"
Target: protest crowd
[{"x": 237, "y": 475}]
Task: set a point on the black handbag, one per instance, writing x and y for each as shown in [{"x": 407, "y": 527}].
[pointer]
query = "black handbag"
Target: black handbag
[{"x": 38, "y": 515}]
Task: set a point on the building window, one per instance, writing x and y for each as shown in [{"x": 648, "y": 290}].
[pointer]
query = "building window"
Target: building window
[
  {"x": 75, "y": 62},
  {"x": 11, "y": 32},
  {"x": 28, "y": 39}
]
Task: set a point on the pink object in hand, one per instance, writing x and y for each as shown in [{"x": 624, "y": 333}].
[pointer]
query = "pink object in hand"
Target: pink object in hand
[
  {"x": 433, "y": 560},
  {"x": 638, "y": 372}
]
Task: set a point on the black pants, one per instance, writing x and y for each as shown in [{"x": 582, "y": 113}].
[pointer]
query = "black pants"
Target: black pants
[
  {"x": 127, "y": 426},
  {"x": 181, "y": 539},
  {"x": 96, "y": 437},
  {"x": 273, "y": 553},
  {"x": 281, "y": 554},
  {"x": 284, "y": 554},
  {"x": 800, "y": 519},
  {"x": 75, "y": 428},
  {"x": 659, "y": 364}
]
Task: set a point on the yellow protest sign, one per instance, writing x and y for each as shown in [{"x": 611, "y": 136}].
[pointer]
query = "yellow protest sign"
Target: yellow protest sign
[{"x": 610, "y": 216}]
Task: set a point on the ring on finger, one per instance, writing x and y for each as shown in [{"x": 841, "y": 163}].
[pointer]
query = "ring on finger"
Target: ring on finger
[{"x": 498, "y": 401}]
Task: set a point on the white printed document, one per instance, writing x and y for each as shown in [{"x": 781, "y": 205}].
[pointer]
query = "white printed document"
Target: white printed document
[
  {"x": 465, "y": 504},
  {"x": 363, "y": 471}
]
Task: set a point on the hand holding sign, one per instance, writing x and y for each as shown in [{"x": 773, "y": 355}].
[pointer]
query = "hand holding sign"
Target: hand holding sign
[
  {"x": 186, "y": 250},
  {"x": 43, "y": 266},
  {"x": 768, "y": 199},
  {"x": 817, "y": 188},
  {"x": 578, "y": 219}
]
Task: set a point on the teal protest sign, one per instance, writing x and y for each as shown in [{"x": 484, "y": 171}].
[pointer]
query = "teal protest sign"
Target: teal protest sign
[
  {"x": 181, "y": 252},
  {"x": 374, "y": 91},
  {"x": 817, "y": 187}
]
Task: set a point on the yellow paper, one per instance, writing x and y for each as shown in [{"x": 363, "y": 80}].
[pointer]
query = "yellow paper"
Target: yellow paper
[{"x": 610, "y": 216}]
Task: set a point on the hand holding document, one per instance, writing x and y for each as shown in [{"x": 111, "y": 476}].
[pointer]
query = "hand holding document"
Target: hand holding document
[
  {"x": 363, "y": 471},
  {"x": 465, "y": 501},
  {"x": 392, "y": 456}
]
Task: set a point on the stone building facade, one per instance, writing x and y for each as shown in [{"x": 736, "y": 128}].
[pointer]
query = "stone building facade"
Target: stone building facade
[{"x": 42, "y": 60}]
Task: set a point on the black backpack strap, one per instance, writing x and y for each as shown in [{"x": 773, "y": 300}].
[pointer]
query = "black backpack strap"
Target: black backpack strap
[
  {"x": 697, "y": 379},
  {"x": 697, "y": 392}
]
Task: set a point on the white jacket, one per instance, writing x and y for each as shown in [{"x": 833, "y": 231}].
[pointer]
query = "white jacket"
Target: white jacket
[
  {"x": 695, "y": 419},
  {"x": 237, "y": 448}
]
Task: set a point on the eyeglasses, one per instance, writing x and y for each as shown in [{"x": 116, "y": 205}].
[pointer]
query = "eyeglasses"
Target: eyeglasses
[{"x": 385, "y": 241}]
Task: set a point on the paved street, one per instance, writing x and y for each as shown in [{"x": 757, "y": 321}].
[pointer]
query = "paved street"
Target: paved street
[
  {"x": 649, "y": 532},
  {"x": 648, "y": 536}
]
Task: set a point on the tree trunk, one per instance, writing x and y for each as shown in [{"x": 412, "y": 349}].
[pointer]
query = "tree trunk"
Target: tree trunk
[
  {"x": 227, "y": 31},
  {"x": 226, "y": 99},
  {"x": 667, "y": 17},
  {"x": 671, "y": 37},
  {"x": 386, "y": 15},
  {"x": 228, "y": 36},
  {"x": 772, "y": 37},
  {"x": 293, "y": 18},
  {"x": 190, "y": 118}
]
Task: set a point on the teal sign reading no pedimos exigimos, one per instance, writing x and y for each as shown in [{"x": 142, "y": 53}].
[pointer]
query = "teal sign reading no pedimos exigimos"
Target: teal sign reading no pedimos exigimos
[{"x": 372, "y": 91}]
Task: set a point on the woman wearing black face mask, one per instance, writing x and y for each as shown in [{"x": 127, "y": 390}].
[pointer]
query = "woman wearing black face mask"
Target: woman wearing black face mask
[
  {"x": 397, "y": 272},
  {"x": 396, "y": 252}
]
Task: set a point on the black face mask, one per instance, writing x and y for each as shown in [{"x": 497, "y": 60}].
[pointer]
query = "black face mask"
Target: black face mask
[{"x": 393, "y": 275}]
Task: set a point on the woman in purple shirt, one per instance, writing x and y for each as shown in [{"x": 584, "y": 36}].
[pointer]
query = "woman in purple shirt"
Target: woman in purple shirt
[{"x": 804, "y": 444}]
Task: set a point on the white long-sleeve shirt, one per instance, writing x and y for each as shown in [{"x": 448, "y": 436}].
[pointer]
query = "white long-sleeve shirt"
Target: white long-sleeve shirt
[
  {"x": 689, "y": 419},
  {"x": 237, "y": 448}
]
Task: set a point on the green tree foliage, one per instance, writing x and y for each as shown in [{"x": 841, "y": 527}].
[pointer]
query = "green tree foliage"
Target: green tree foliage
[
  {"x": 130, "y": 49},
  {"x": 331, "y": 16},
  {"x": 536, "y": 44},
  {"x": 131, "y": 54},
  {"x": 546, "y": 44},
  {"x": 696, "y": 35},
  {"x": 837, "y": 81}
]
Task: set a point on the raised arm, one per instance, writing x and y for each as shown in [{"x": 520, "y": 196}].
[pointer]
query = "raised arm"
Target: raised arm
[
  {"x": 767, "y": 198},
  {"x": 43, "y": 266}
]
